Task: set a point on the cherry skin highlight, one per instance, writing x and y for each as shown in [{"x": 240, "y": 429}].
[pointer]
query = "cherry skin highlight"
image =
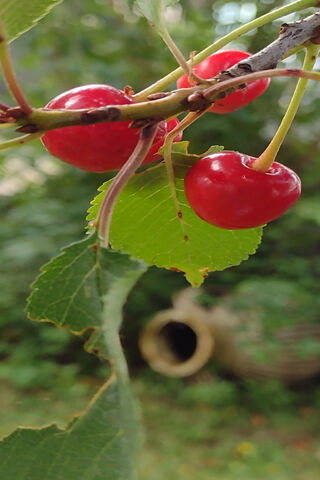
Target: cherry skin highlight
[
  {"x": 224, "y": 190},
  {"x": 100, "y": 147},
  {"x": 212, "y": 66}
]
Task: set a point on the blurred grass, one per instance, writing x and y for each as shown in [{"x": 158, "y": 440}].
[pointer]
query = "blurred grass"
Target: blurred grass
[{"x": 197, "y": 440}]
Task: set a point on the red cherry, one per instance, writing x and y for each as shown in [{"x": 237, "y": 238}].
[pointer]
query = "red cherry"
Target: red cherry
[
  {"x": 225, "y": 191},
  {"x": 159, "y": 139},
  {"x": 212, "y": 66},
  {"x": 101, "y": 147}
]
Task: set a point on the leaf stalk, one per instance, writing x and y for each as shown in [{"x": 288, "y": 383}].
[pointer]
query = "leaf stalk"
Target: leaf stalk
[
  {"x": 264, "y": 162},
  {"x": 147, "y": 135},
  {"x": 9, "y": 75}
]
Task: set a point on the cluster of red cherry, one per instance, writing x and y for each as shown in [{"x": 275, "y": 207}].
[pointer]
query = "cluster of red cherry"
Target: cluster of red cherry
[{"x": 222, "y": 188}]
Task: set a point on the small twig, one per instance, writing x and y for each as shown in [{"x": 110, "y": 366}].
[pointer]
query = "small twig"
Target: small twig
[
  {"x": 147, "y": 135},
  {"x": 228, "y": 86}
]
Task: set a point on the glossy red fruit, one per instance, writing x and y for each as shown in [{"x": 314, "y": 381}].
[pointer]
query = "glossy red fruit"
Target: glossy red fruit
[
  {"x": 163, "y": 129},
  {"x": 211, "y": 66},
  {"x": 101, "y": 147},
  {"x": 225, "y": 191}
]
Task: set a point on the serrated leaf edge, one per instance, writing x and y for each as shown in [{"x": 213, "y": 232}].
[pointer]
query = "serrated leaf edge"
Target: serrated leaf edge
[{"x": 36, "y": 20}]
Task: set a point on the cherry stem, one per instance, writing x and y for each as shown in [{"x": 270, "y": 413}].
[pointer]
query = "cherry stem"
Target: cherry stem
[
  {"x": 6, "y": 125},
  {"x": 22, "y": 140},
  {"x": 147, "y": 135},
  {"x": 212, "y": 93},
  {"x": 164, "y": 82},
  {"x": 167, "y": 149},
  {"x": 193, "y": 78},
  {"x": 264, "y": 162},
  {"x": 178, "y": 55},
  {"x": 295, "y": 50},
  {"x": 9, "y": 74},
  {"x": 174, "y": 49}
]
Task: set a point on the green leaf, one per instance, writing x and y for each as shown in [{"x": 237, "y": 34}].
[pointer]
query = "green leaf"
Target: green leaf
[
  {"x": 72, "y": 290},
  {"x": 147, "y": 224},
  {"x": 67, "y": 292},
  {"x": 92, "y": 447},
  {"x": 18, "y": 16},
  {"x": 152, "y": 9},
  {"x": 83, "y": 288}
]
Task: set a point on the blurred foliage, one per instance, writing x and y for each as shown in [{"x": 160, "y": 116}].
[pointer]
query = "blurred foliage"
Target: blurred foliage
[
  {"x": 212, "y": 393},
  {"x": 43, "y": 201},
  {"x": 208, "y": 428},
  {"x": 206, "y": 389},
  {"x": 273, "y": 315}
]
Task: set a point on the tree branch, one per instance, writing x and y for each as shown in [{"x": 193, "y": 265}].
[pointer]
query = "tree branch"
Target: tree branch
[
  {"x": 222, "y": 42},
  {"x": 291, "y": 35},
  {"x": 163, "y": 105}
]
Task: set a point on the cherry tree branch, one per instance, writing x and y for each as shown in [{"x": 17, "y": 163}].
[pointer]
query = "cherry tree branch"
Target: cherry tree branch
[
  {"x": 162, "y": 105},
  {"x": 186, "y": 99},
  {"x": 291, "y": 35},
  {"x": 222, "y": 42}
]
